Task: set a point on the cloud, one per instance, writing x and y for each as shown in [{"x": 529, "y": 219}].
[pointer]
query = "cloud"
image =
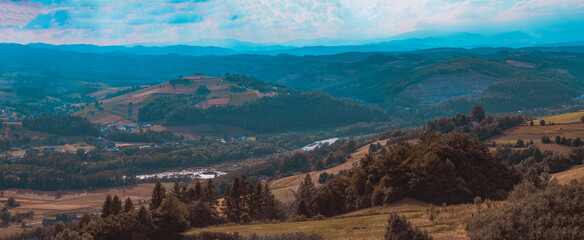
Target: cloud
[{"x": 131, "y": 21}]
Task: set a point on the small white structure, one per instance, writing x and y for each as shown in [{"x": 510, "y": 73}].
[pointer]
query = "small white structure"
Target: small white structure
[{"x": 316, "y": 144}]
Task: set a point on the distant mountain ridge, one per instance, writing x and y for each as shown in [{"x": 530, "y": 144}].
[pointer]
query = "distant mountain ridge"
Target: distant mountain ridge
[{"x": 320, "y": 46}]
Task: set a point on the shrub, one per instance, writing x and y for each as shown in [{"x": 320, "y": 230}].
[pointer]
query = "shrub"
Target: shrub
[
  {"x": 549, "y": 212},
  {"x": 399, "y": 228}
]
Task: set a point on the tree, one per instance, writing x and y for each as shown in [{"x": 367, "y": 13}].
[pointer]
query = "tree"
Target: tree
[
  {"x": 106, "y": 209},
  {"x": 145, "y": 217},
  {"x": 157, "y": 195},
  {"x": 12, "y": 202},
  {"x": 399, "y": 228},
  {"x": 211, "y": 192},
  {"x": 477, "y": 113},
  {"x": 306, "y": 193},
  {"x": 534, "y": 212},
  {"x": 171, "y": 217},
  {"x": 128, "y": 205},
  {"x": 5, "y": 217},
  {"x": 542, "y": 122},
  {"x": 116, "y": 205},
  {"x": 200, "y": 214}
]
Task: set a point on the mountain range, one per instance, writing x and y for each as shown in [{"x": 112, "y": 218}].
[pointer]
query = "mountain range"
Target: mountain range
[{"x": 321, "y": 46}]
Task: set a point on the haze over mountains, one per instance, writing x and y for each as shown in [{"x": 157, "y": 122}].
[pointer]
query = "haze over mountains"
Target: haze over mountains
[{"x": 324, "y": 46}]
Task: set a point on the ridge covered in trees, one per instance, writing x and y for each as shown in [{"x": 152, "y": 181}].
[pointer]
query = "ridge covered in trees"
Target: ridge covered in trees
[{"x": 285, "y": 112}]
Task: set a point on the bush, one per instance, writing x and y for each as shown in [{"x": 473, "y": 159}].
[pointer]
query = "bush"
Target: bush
[
  {"x": 549, "y": 212},
  {"x": 399, "y": 228}
]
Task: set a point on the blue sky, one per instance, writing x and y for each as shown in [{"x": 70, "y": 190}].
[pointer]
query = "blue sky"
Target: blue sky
[{"x": 116, "y": 22}]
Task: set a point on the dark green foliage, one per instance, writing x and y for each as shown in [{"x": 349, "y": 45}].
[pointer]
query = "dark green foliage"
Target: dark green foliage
[
  {"x": 124, "y": 91},
  {"x": 200, "y": 215},
  {"x": 306, "y": 196},
  {"x": 258, "y": 202},
  {"x": 250, "y": 82},
  {"x": 116, "y": 205},
  {"x": 158, "y": 194},
  {"x": 170, "y": 218},
  {"x": 65, "y": 125},
  {"x": 123, "y": 226},
  {"x": 5, "y": 215},
  {"x": 542, "y": 122},
  {"x": 146, "y": 136},
  {"x": 450, "y": 169},
  {"x": 203, "y": 90},
  {"x": 398, "y": 228},
  {"x": 12, "y": 202},
  {"x": 548, "y": 212},
  {"x": 128, "y": 205},
  {"x": 311, "y": 110},
  {"x": 488, "y": 127},
  {"x": 106, "y": 209},
  {"x": 477, "y": 113}
]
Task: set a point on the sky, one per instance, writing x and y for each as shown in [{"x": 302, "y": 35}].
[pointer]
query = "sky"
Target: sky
[{"x": 119, "y": 22}]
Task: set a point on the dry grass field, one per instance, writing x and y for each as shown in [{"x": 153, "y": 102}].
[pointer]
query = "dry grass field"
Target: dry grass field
[
  {"x": 293, "y": 182},
  {"x": 367, "y": 223},
  {"x": 565, "y": 125},
  {"x": 575, "y": 173},
  {"x": 47, "y": 204}
]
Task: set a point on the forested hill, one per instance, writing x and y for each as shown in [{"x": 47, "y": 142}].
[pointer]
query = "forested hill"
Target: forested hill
[{"x": 304, "y": 111}]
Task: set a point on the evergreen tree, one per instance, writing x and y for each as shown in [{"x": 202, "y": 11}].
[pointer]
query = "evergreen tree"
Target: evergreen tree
[
  {"x": 212, "y": 195},
  {"x": 157, "y": 196},
  {"x": 171, "y": 218},
  {"x": 106, "y": 209},
  {"x": 176, "y": 190},
  {"x": 116, "y": 205},
  {"x": 145, "y": 217},
  {"x": 198, "y": 191},
  {"x": 128, "y": 205},
  {"x": 306, "y": 193}
]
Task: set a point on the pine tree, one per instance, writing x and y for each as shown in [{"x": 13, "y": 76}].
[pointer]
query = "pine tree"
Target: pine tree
[
  {"x": 116, "y": 206},
  {"x": 106, "y": 208},
  {"x": 306, "y": 193},
  {"x": 171, "y": 218},
  {"x": 176, "y": 190},
  {"x": 145, "y": 217},
  {"x": 198, "y": 191},
  {"x": 128, "y": 205},
  {"x": 157, "y": 195},
  {"x": 212, "y": 195}
]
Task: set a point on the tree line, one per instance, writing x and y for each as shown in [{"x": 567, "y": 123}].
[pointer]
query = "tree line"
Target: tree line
[{"x": 64, "y": 125}]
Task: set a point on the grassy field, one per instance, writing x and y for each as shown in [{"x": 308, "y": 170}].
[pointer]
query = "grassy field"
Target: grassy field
[
  {"x": 565, "y": 125},
  {"x": 293, "y": 182},
  {"x": 367, "y": 223},
  {"x": 562, "y": 118},
  {"x": 565, "y": 177}
]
